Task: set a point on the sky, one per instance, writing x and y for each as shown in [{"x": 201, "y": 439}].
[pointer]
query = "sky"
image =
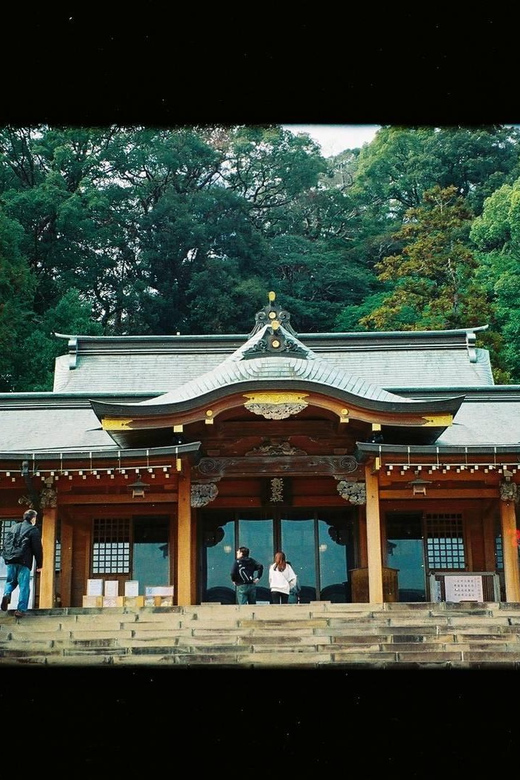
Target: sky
[{"x": 334, "y": 139}]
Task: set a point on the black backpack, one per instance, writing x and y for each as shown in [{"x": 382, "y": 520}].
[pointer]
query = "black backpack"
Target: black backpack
[{"x": 15, "y": 544}]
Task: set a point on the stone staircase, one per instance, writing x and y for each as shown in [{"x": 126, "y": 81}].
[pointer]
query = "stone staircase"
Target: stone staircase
[{"x": 316, "y": 635}]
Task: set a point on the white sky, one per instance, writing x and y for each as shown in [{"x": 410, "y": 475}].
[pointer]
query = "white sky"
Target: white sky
[{"x": 334, "y": 139}]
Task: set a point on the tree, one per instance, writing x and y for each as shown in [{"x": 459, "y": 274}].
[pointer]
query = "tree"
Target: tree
[
  {"x": 432, "y": 279},
  {"x": 71, "y": 315},
  {"x": 401, "y": 164},
  {"x": 185, "y": 229},
  {"x": 496, "y": 236},
  {"x": 16, "y": 301}
]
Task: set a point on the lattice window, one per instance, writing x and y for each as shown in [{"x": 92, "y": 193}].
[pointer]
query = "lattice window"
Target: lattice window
[
  {"x": 4, "y": 525},
  {"x": 57, "y": 556},
  {"x": 445, "y": 541},
  {"x": 499, "y": 553},
  {"x": 57, "y": 547},
  {"x": 111, "y": 546}
]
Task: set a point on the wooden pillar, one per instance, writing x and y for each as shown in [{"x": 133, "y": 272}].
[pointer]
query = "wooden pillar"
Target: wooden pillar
[
  {"x": 510, "y": 550},
  {"x": 185, "y": 586},
  {"x": 489, "y": 530},
  {"x": 362, "y": 520},
  {"x": 375, "y": 564},
  {"x": 48, "y": 574},
  {"x": 66, "y": 538}
]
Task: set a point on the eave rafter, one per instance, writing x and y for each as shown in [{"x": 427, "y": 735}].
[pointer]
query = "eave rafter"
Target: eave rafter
[
  {"x": 285, "y": 403},
  {"x": 455, "y": 463}
]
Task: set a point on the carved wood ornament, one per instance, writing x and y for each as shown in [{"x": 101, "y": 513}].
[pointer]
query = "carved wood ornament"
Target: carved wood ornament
[
  {"x": 275, "y": 406},
  {"x": 354, "y": 492},
  {"x": 203, "y": 494}
]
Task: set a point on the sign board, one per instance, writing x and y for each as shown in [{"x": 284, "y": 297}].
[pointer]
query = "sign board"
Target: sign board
[
  {"x": 95, "y": 587},
  {"x": 463, "y": 588},
  {"x": 111, "y": 588},
  {"x": 158, "y": 590},
  {"x": 132, "y": 588}
]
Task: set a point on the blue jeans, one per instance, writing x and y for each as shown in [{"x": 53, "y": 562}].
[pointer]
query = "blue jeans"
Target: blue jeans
[
  {"x": 20, "y": 575},
  {"x": 246, "y": 594}
]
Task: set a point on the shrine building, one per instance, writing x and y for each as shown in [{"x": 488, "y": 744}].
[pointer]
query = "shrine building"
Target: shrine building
[{"x": 385, "y": 465}]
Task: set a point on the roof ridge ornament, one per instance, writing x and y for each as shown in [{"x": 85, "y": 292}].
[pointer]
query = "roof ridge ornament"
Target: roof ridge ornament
[
  {"x": 273, "y": 315},
  {"x": 276, "y": 324}
]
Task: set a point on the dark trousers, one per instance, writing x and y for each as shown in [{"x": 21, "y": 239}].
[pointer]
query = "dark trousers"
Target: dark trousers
[{"x": 279, "y": 598}]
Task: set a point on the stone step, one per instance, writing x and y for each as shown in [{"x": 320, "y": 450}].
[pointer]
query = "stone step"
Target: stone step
[{"x": 312, "y": 635}]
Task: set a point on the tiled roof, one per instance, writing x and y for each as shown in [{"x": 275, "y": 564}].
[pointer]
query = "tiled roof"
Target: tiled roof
[
  {"x": 157, "y": 371},
  {"x": 265, "y": 369},
  {"x": 162, "y": 364},
  {"x": 61, "y": 428},
  {"x": 484, "y": 422},
  {"x": 257, "y": 364},
  {"x": 26, "y": 426}
]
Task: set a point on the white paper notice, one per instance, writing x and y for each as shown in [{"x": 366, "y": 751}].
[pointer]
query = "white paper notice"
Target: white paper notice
[{"x": 465, "y": 588}]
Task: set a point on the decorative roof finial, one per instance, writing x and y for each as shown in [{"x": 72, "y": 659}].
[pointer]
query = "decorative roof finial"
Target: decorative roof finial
[
  {"x": 273, "y": 315},
  {"x": 275, "y": 321}
]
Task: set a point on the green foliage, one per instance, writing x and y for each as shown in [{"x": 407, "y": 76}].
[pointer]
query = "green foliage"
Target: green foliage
[
  {"x": 349, "y": 319},
  {"x": 132, "y": 230},
  {"x": 17, "y": 287},
  {"x": 401, "y": 164},
  {"x": 434, "y": 274},
  {"x": 35, "y": 362},
  {"x": 496, "y": 235}
]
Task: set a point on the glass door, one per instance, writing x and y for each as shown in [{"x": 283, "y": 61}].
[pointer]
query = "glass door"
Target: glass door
[
  {"x": 223, "y": 532},
  {"x": 257, "y": 534},
  {"x": 218, "y": 546},
  {"x": 150, "y": 552},
  {"x": 320, "y": 546},
  {"x": 298, "y": 542},
  {"x": 405, "y": 552},
  {"x": 318, "y": 543}
]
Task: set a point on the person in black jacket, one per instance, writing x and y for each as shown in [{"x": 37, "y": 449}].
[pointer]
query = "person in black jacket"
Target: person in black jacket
[
  {"x": 245, "y": 574},
  {"x": 19, "y": 574}
]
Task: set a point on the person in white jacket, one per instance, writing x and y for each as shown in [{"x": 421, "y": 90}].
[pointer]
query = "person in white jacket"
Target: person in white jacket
[{"x": 281, "y": 578}]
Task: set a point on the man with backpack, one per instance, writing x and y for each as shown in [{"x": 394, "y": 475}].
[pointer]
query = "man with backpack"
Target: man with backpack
[
  {"x": 19, "y": 570},
  {"x": 244, "y": 577}
]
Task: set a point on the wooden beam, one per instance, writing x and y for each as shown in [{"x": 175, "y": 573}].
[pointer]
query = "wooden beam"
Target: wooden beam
[
  {"x": 104, "y": 498},
  {"x": 277, "y": 465},
  {"x": 276, "y": 428},
  {"x": 438, "y": 493}
]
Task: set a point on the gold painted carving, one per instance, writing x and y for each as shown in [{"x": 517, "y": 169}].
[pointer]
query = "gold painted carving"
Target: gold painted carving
[
  {"x": 276, "y": 406},
  {"x": 116, "y": 423},
  {"x": 274, "y": 448},
  {"x": 438, "y": 420},
  {"x": 276, "y": 490}
]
